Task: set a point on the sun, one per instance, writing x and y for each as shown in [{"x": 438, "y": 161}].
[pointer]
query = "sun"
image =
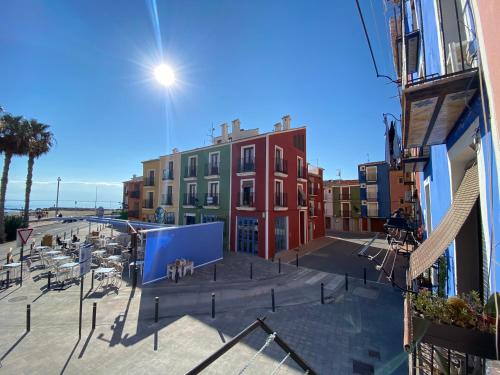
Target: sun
[{"x": 164, "y": 75}]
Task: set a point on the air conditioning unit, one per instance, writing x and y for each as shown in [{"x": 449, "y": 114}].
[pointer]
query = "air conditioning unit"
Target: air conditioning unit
[
  {"x": 362, "y": 168},
  {"x": 363, "y": 203},
  {"x": 362, "y": 186}
]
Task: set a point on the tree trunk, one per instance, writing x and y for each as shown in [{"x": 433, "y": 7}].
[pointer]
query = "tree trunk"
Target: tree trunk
[
  {"x": 3, "y": 192},
  {"x": 29, "y": 181}
]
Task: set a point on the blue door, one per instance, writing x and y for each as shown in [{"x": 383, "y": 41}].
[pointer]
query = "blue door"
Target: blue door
[
  {"x": 248, "y": 234},
  {"x": 280, "y": 233}
]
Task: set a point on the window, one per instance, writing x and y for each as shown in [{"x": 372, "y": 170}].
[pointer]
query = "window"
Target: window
[
  {"x": 247, "y": 193},
  {"x": 247, "y": 162},
  {"x": 371, "y": 192},
  {"x": 400, "y": 180},
  {"x": 301, "y": 196},
  {"x": 299, "y": 142},
  {"x": 301, "y": 172},
  {"x": 372, "y": 209},
  {"x": 213, "y": 165},
  {"x": 191, "y": 168},
  {"x": 371, "y": 173},
  {"x": 278, "y": 190},
  {"x": 190, "y": 196},
  {"x": 213, "y": 194},
  {"x": 169, "y": 218}
]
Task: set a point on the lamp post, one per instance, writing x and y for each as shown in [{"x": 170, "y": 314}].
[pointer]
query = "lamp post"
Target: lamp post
[{"x": 57, "y": 196}]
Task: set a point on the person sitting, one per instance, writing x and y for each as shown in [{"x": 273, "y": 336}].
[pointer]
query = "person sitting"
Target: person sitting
[
  {"x": 58, "y": 240},
  {"x": 75, "y": 239}
]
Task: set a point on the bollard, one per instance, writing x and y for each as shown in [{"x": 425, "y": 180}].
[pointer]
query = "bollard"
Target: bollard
[
  {"x": 279, "y": 265},
  {"x": 176, "y": 274},
  {"x": 213, "y": 305},
  {"x": 364, "y": 275},
  {"x": 8, "y": 279},
  {"x": 28, "y": 318},
  {"x": 346, "y": 281},
  {"x": 215, "y": 272},
  {"x": 134, "y": 277},
  {"x": 48, "y": 280},
  {"x": 392, "y": 278},
  {"x": 94, "y": 314},
  {"x": 272, "y": 300},
  {"x": 157, "y": 304},
  {"x": 92, "y": 281},
  {"x": 297, "y": 260},
  {"x": 322, "y": 293},
  {"x": 251, "y": 271},
  {"x": 77, "y": 230},
  {"x": 71, "y": 235},
  {"x": 64, "y": 235}
]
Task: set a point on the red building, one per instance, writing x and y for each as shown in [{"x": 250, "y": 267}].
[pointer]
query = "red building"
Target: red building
[
  {"x": 316, "y": 202},
  {"x": 132, "y": 196},
  {"x": 269, "y": 210}
]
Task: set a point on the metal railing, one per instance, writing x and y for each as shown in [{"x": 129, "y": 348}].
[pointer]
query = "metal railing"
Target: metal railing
[
  {"x": 301, "y": 202},
  {"x": 281, "y": 199},
  {"x": 190, "y": 171},
  {"x": 246, "y": 199},
  {"x": 149, "y": 181},
  {"x": 148, "y": 204},
  {"x": 246, "y": 165},
  {"x": 211, "y": 199},
  {"x": 301, "y": 172},
  {"x": 166, "y": 200},
  {"x": 212, "y": 169},
  {"x": 312, "y": 190},
  {"x": 190, "y": 199},
  {"x": 281, "y": 166},
  {"x": 168, "y": 174},
  {"x": 135, "y": 194}
]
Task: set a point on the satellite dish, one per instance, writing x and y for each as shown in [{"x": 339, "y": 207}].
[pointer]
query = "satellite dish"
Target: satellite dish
[{"x": 159, "y": 215}]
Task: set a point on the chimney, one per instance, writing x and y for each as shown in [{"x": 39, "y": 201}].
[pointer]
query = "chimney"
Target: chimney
[
  {"x": 277, "y": 127},
  {"x": 175, "y": 150},
  {"x": 224, "y": 133},
  {"x": 286, "y": 122},
  {"x": 236, "y": 126}
]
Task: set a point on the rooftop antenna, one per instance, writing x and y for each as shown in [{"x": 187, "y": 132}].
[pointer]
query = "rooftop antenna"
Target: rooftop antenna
[
  {"x": 368, "y": 157},
  {"x": 339, "y": 173},
  {"x": 211, "y": 133}
]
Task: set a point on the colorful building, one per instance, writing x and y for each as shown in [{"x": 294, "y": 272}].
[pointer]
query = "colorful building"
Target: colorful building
[
  {"x": 345, "y": 205},
  {"x": 374, "y": 193},
  {"x": 316, "y": 202},
  {"x": 151, "y": 189},
  {"x": 132, "y": 197},
  {"x": 169, "y": 193}
]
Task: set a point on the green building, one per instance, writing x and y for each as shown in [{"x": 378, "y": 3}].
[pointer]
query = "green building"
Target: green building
[
  {"x": 204, "y": 187},
  {"x": 344, "y": 198}
]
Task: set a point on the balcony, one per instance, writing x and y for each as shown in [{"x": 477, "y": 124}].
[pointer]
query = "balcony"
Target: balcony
[
  {"x": 148, "y": 204},
  {"x": 301, "y": 172},
  {"x": 136, "y": 194},
  {"x": 415, "y": 159},
  {"x": 345, "y": 197},
  {"x": 168, "y": 175},
  {"x": 313, "y": 190},
  {"x": 301, "y": 201},
  {"x": 281, "y": 166},
  {"x": 166, "y": 200},
  {"x": 246, "y": 200},
  {"x": 149, "y": 181},
  {"x": 133, "y": 213},
  {"x": 371, "y": 197},
  {"x": 190, "y": 172},
  {"x": 438, "y": 87},
  {"x": 190, "y": 199},
  {"x": 281, "y": 200},
  {"x": 246, "y": 165},
  {"x": 212, "y": 169},
  {"x": 211, "y": 200}
]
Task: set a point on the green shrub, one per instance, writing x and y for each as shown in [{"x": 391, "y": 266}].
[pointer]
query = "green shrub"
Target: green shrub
[{"x": 12, "y": 223}]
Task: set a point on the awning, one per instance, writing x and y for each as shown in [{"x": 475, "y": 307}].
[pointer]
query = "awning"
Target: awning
[{"x": 432, "y": 248}]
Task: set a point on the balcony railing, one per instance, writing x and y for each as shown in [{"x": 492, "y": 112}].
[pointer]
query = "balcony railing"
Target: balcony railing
[
  {"x": 149, "y": 181},
  {"x": 281, "y": 166},
  {"x": 246, "y": 199},
  {"x": 211, "y": 199},
  {"x": 190, "y": 199},
  {"x": 212, "y": 169},
  {"x": 281, "y": 199},
  {"x": 345, "y": 197},
  {"x": 190, "y": 171},
  {"x": 166, "y": 200},
  {"x": 301, "y": 172},
  {"x": 148, "y": 204},
  {"x": 312, "y": 190},
  {"x": 168, "y": 175},
  {"x": 135, "y": 194},
  {"x": 246, "y": 165},
  {"x": 371, "y": 197},
  {"x": 301, "y": 202},
  {"x": 133, "y": 213}
]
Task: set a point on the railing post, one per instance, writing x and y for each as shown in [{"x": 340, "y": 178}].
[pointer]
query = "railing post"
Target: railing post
[
  {"x": 346, "y": 282},
  {"x": 272, "y": 300},
  {"x": 392, "y": 278},
  {"x": 157, "y": 303},
  {"x": 364, "y": 275},
  {"x": 279, "y": 265},
  {"x": 48, "y": 280},
  {"x": 251, "y": 271},
  {"x": 213, "y": 305},
  {"x": 8, "y": 279},
  {"x": 94, "y": 314},
  {"x": 176, "y": 274},
  {"x": 215, "y": 272},
  {"x": 64, "y": 235},
  {"x": 92, "y": 280},
  {"x": 322, "y": 293},
  {"x": 28, "y": 318},
  {"x": 297, "y": 260}
]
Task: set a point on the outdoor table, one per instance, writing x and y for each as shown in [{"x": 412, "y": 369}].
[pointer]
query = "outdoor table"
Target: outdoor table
[
  {"x": 99, "y": 252},
  {"x": 115, "y": 257},
  {"x": 53, "y": 252},
  {"x": 61, "y": 258},
  {"x": 105, "y": 273},
  {"x": 15, "y": 266},
  {"x": 41, "y": 248},
  {"x": 71, "y": 266}
]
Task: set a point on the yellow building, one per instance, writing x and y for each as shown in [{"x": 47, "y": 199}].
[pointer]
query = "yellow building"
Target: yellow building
[{"x": 151, "y": 189}]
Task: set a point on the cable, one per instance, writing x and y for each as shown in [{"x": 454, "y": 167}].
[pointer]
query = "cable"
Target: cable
[
  {"x": 269, "y": 340},
  {"x": 277, "y": 368}
]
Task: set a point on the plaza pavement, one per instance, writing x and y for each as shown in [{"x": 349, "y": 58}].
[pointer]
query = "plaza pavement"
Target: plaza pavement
[{"x": 361, "y": 324}]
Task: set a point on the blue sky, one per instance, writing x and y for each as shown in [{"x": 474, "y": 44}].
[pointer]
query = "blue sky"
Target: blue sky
[{"x": 85, "y": 68}]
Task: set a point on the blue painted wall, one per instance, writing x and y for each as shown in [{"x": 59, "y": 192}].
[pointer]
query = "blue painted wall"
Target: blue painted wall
[{"x": 383, "y": 190}]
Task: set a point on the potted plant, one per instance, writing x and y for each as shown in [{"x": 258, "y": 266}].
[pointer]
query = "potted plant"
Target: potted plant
[{"x": 460, "y": 323}]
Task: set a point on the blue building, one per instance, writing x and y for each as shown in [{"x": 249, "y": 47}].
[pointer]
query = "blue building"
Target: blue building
[
  {"x": 374, "y": 195},
  {"x": 448, "y": 144}
]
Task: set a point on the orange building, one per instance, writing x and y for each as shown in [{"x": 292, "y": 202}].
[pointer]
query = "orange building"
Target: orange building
[{"x": 132, "y": 197}]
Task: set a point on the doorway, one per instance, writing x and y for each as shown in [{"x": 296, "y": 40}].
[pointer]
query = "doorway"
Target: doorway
[{"x": 248, "y": 234}]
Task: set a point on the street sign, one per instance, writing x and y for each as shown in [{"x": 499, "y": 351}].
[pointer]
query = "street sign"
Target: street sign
[
  {"x": 23, "y": 235},
  {"x": 85, "y": 259}
]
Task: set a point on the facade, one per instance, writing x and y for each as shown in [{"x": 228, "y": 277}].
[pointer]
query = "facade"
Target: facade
[
  {"x": 170, "y": 167},
  {"x": 204, "y": 188},
  {"x": 269, "y": 191},
  {"x": 346, "y": 205},
  {"x": 132, "y": 197},
  {"x": 401, "y": 195},
  {"x": 151, "y": 189},
  {"x": 316, "y": 226},
  {"x": 374, "y": 195}
]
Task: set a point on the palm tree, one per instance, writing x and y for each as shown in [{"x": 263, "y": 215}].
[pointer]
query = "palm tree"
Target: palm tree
[
  {"x": 12, "y": 142},
  {"x": 39, "y": 141}
]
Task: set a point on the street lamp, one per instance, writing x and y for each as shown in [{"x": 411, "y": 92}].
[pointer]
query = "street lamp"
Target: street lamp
[{"x": 57, "y": 196}]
